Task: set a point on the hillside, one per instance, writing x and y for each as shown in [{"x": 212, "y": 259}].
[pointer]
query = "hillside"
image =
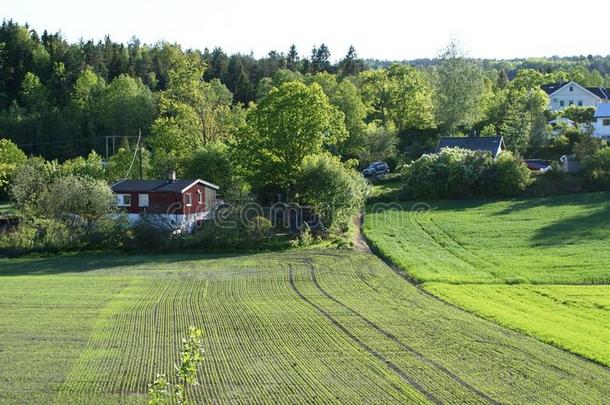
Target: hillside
[
  {"x": 297, "y": 327},
  {"x": 539, "y": 266}
]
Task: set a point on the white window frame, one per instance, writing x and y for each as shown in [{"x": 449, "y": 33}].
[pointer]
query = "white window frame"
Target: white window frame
[
  {"x": 562, "y": 103},
  {"x": 199, "y": 197},
  {"x": 571, "y": 88},
  {"x": 121, "y": 200},
  {"x": 143, "y": 200},
  {"x": 571, "y": 102},
  {"x": 606, "y": 122},
  {"x": 580, "y": 103},
  {"x": 188, "y": 199}
]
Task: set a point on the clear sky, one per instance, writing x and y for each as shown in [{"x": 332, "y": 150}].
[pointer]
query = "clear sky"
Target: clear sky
[{"x": 383, "y": 29}]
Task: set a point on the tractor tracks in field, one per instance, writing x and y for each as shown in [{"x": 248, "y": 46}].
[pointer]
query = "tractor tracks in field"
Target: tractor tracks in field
[
  {"x": 459, "y": 251},
  {"x": 388, "y": 335},
  {"x": 408, "y": 379}
]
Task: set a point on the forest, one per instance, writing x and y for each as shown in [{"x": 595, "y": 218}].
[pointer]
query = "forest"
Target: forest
[{"x": 183, "y": 108}]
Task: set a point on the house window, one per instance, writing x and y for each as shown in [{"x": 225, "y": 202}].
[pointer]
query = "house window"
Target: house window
[
  {"x": 562, "y": 103},
  {"x": 571, "y": 102},
  {"x": 606, "y": 122},
  {"x": 143, "y": 200},
  {"x": 580, "y": 103},
  {"x": 188, "y": 197},
  {"x": 199, "y": 197},
  {"x": 571, "y": 88},
  {"x": 123, "y": 200},
  {"x": 554, "y": 99}
]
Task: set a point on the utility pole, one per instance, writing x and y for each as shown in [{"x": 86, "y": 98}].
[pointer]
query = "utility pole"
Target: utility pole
[{"x": 140, "y": 152}]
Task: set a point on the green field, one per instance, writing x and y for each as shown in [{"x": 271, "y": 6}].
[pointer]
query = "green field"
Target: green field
[
  {"x": 576, "y": 318},
  {"x": 563, "y": 240},
  {"x": 303, "y": 326},
  {"x": 539, "y": 266}
]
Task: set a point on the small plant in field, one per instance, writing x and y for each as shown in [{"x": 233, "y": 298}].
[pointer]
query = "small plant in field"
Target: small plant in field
[{"x": 162, "y": 391}]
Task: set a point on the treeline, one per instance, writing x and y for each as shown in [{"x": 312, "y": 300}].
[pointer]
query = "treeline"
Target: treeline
[{"x": 61, "y": 100}]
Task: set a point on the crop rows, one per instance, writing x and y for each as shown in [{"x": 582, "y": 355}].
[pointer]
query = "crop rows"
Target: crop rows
[
  {"x": 296, "y": 327},
  {"x": 539, "y": 266}
]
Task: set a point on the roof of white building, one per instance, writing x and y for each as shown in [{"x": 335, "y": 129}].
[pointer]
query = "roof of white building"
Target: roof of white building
[{"x": 603, "y": 110}]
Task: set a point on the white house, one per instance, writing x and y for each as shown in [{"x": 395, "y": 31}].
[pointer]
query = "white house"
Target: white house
[
  {"x": 563, "y": 95},
  {"x": 601, "y": 126}
]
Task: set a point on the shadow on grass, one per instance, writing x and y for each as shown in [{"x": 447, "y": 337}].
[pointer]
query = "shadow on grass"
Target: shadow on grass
[
  {"x": 581, "y": 199},
  {"x": 82, "y": 263},
  {"x": 594, "y": 226}
]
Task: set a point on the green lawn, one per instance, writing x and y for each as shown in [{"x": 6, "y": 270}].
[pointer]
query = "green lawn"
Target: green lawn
[
  {"x": 303, "y": 326},
  {"x": 540, "y": 266},
  {"x": 548, "y": 240},
  {"x": 576, "y": 318}
]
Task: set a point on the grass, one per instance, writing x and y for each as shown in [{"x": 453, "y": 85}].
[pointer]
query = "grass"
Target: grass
[
  {"x": 545, "y": 240},
  {"x": 301, "y": 326},
  {"x": 575, "y": 318},
  {"x": 538, "y": 266}
]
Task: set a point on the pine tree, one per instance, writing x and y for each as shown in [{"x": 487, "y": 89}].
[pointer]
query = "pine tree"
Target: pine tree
[
  {"x": 292, "y": 59},
  {"x": 350, "y": 65}
]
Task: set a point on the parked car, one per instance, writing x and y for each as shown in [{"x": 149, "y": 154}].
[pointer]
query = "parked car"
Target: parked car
[
  {"x": 538, "y": 165},
  {"x": 375, "y": 169}
]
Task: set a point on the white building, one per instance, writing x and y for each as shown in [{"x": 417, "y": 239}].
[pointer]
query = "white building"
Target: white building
[
  {"x": 601, "y": 126},
  {"x": 563, "y": 95}
]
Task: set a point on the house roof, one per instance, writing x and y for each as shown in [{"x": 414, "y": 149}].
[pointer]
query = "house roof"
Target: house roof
[
  {"x": 492, "y": 144},
  {"x": 552, "y": 87},
  {"x": 158, "y": 186},
  {"x": 597, "y": 91},
  {"x": 603, "y": 110}
]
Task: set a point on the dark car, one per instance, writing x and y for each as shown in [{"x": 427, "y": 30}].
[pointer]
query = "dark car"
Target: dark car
[
  {"x": 537, "y": 164},
  {"x": 375, "y": 169}
]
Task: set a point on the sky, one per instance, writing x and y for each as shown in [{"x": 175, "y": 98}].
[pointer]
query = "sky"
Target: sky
[{"x": 381, "y": 29}]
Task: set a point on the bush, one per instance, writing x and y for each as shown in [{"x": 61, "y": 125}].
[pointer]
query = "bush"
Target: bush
[
  {"x": 459, "y": 173},
  {"x": 511, "y": 176},
  {"x": 58, "y": 213},
  {"x": 11, "y": 157},
  {"x": 334, "y": 192},
  {"x": 596, "y": 169},
  {"x": 213, "y": 163}
]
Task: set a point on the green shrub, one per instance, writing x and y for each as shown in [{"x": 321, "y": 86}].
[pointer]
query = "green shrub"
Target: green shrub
[
  {"x": 512, "y": 176},
  {"x": 596, "y": 169},
  {"x": 459, "y": 173},
  {"x": 11, "y": 157},
  {"x": 334, "y": 192}
]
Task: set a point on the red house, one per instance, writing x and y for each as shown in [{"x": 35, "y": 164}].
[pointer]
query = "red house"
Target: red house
[{"x": 178, "y": 203}]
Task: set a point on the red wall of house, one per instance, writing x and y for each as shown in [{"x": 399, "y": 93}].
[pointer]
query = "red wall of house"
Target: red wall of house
[
  {"x": 164, "y": 203},
  {"x": 169, "y": 203},
  {"x": 195, "y": 207}
]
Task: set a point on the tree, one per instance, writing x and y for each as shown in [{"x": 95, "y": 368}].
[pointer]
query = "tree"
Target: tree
[
  {"x": 292, "y": 59},
  {"x": 521, "y": 113},
  {"x": 380, "y": 144},
  {"x": 85, "y": 205},
  {"x": 30, "y": 184},
  {"x": 293, "y": 121},
  {"x": 459, "y": 89},
  {"x": 213, "y": 163},
  {"x": 162, "y": 390},
  {"x": 192, "y": 113},
  {"x": 400, "y": 96},
  {"x": 126, "y": 108},
  {"x": 320, "y": 60},
  {"x": 126, "y": 164},
  {"x": 11, "y": 158},
  {"x": 92, "y": 167},
  {"x": 350, "y": 65},
  {"x": 334, "y": 191}
]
